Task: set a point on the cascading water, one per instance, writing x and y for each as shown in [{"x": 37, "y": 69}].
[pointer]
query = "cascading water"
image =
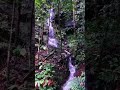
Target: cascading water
[
  {"x": 52, "y": 41},
  {"x": 52, "y": 15},
  {"x": 72, "y": 70},
  {"x": 51, "y": 32},
  {"x": 81, "y": 13}
]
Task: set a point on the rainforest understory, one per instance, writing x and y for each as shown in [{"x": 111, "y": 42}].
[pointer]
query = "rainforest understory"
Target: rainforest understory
[{"x": 59, "y": 45}]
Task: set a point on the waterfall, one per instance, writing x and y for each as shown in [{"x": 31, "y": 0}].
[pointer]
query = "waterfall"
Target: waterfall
[
  {"x": 51, "y": 32},
  {"x": 52, "y": 41},
  {"x": 72, "y": 70},
  {"x": 52, "y": 15}
]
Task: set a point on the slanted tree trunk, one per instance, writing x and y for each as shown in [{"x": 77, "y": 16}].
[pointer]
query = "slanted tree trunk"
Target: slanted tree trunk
[{"x": 9, "y": 45}]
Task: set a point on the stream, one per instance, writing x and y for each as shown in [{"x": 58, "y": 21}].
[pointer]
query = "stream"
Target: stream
[
  {"x": 72, "y": 70},
  {"x": 52, "y": 41}
]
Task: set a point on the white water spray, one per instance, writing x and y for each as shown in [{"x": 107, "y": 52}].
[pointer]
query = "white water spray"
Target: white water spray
[
  {"x": 72, "y": 70},
  {"x": 51, "y": 31},
  {"x": 52, "y": 41}
]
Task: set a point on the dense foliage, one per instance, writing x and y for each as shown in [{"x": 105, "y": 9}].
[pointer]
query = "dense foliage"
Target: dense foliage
[
  {"x": 69, "y": 38},
  {"x": 102, "y": 41}
]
